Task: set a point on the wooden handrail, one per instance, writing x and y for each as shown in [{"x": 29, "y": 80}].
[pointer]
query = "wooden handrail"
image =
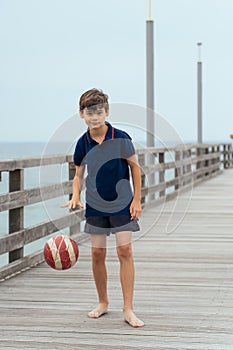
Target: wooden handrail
[{"x": 186, "y": 165}]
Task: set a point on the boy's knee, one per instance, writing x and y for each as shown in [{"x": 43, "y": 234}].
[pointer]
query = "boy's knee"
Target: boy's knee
[
  {"x": 98, "y": 254},
  {"x": 124, "y": 251}
]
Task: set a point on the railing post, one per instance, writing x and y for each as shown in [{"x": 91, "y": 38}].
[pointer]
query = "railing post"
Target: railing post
[
  {"x": 206, "y": 151},
  {"x": 141, "y": 161},
  {"x": 16, "y": 216},
  {"x": 199, "y": 162},
  {"x": 150, "y": 161},
  {"x": 75, "y": 228},
  {"x": 224, "y": 157},
  {"x": 213, "y": 159},
  {"x": 177, "y": 168},
  {"x": 189, "y": 165},
  {"x": 161, "y": 173},
  {"x": 218, "y": 159},
  {"x": 229, "y": 155},
  {"x": 184, "y": 167}
]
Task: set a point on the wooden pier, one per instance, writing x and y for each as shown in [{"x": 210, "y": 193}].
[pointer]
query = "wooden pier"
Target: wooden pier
[{"x": 183, "y": 258}]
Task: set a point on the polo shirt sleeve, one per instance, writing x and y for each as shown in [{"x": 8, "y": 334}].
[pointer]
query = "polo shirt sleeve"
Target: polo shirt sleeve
[
  {"x": 78, "y": 153},
  {"x": 127, "y": 146}
]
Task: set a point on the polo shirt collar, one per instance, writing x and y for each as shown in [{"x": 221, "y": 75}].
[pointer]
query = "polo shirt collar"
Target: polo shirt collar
[{"x": 109, "y": 134}]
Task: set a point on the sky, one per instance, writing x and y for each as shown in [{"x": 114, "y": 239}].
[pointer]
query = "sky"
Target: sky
[{"x": 54, "y": 50}]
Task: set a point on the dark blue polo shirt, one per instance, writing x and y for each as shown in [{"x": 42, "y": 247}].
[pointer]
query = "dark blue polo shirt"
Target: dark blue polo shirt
[{"x": 108, "y": 190}]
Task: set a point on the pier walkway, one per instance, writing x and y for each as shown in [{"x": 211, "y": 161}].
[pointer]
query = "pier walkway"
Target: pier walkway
[{"x": 183, "y": 288}]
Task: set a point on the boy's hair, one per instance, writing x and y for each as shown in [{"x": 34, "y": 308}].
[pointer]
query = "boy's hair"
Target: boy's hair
[{"x": 93, "y": 99}]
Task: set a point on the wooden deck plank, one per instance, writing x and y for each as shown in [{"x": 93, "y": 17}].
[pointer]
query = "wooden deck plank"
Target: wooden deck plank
[{"x": 183, "y": 287}]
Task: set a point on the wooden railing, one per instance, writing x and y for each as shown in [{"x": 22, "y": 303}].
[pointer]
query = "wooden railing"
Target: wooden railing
[{"x": 175, "y": 169}]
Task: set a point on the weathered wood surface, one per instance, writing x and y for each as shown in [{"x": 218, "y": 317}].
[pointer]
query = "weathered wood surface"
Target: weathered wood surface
[
  {"x": 17, "y": 199},
  {"x": 13, "y": 164},
  {"x": 20, "y": 238},
  {"x": 183, "y": 289}
]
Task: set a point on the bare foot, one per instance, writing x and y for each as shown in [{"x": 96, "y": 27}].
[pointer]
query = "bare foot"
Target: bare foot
[
  {"x": 100, "y": 310},
  {"x": 132, "y": 320}
]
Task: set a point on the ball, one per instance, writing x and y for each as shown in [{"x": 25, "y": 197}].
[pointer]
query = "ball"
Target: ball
[{"x": 61, "y": 252}]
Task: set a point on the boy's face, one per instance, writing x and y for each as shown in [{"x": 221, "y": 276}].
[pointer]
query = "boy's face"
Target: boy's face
[{"x": 94, "y": 116}]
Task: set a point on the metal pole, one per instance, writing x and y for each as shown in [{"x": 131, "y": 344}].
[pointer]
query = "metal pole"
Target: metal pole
[
  {"x": 150, "y": 93},
  {"x": 199, "y": 95},
  {"x": 150, "y": 81}
]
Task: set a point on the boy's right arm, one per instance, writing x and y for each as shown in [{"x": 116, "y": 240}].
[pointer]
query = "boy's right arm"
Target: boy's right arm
[{"x": 77, "y": 187}]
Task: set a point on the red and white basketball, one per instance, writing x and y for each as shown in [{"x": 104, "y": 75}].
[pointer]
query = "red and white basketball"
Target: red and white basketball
[{"x": 61, "y": 252}]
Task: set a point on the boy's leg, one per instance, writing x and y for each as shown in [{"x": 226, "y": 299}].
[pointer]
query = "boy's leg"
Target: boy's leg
[
  {"x": 125, "y": 255},
  {"x": 98, "y": 243}
]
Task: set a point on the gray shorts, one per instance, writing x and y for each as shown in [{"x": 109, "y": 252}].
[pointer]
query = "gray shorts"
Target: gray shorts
[{"x": 110, "y": 224}]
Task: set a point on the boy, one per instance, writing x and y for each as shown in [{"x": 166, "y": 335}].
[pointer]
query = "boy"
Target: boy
[{"x": 110, "y": 205}]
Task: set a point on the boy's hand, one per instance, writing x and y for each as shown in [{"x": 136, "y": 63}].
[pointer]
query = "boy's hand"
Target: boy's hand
[
  {"x": 72, "y": 204},
  {"x": 135, "y": 209}
]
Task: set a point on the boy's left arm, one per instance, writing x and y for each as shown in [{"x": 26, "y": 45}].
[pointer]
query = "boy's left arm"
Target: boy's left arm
[{"x": 135, "y": 207}]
